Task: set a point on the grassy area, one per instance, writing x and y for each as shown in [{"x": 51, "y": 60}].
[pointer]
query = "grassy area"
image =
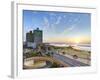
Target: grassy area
[{"x": 32, "y": 54}]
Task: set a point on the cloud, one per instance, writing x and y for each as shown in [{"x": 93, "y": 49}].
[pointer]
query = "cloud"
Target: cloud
[
  {"x": 58, "y": 20},
  {"x": 46, "y": 22},
  {"x": 46, "y": 25},
  {"x": 64, "y": 16},
  {"x": 69, "y": 29}
]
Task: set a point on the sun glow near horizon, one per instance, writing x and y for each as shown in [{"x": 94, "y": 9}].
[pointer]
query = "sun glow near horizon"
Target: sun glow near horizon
[{"x": 76, "y": 40}]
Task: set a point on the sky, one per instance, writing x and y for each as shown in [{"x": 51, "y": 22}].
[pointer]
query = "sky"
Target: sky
[{"x": 59, "y": 27}]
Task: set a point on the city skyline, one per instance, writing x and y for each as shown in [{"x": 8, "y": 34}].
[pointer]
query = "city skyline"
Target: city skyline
[{"x": 62, "y": 27}]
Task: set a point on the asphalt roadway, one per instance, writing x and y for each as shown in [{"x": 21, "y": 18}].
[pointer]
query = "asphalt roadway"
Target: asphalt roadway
[{"x": 68, "y": 61}]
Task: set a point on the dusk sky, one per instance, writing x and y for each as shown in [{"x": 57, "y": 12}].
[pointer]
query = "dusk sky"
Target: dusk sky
[{"x": 62, "y": 27}]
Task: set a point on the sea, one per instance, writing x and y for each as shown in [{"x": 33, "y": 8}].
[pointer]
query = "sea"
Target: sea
[{"x": 86, "y": 47}]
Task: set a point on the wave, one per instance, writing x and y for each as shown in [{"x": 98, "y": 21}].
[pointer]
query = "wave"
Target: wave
[
  {"x": 86, "y": 47},
  {"x": 82, "y": 48}
]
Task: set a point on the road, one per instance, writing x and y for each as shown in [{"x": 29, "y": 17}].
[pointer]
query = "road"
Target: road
[{"x": 68, "y": 61}]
